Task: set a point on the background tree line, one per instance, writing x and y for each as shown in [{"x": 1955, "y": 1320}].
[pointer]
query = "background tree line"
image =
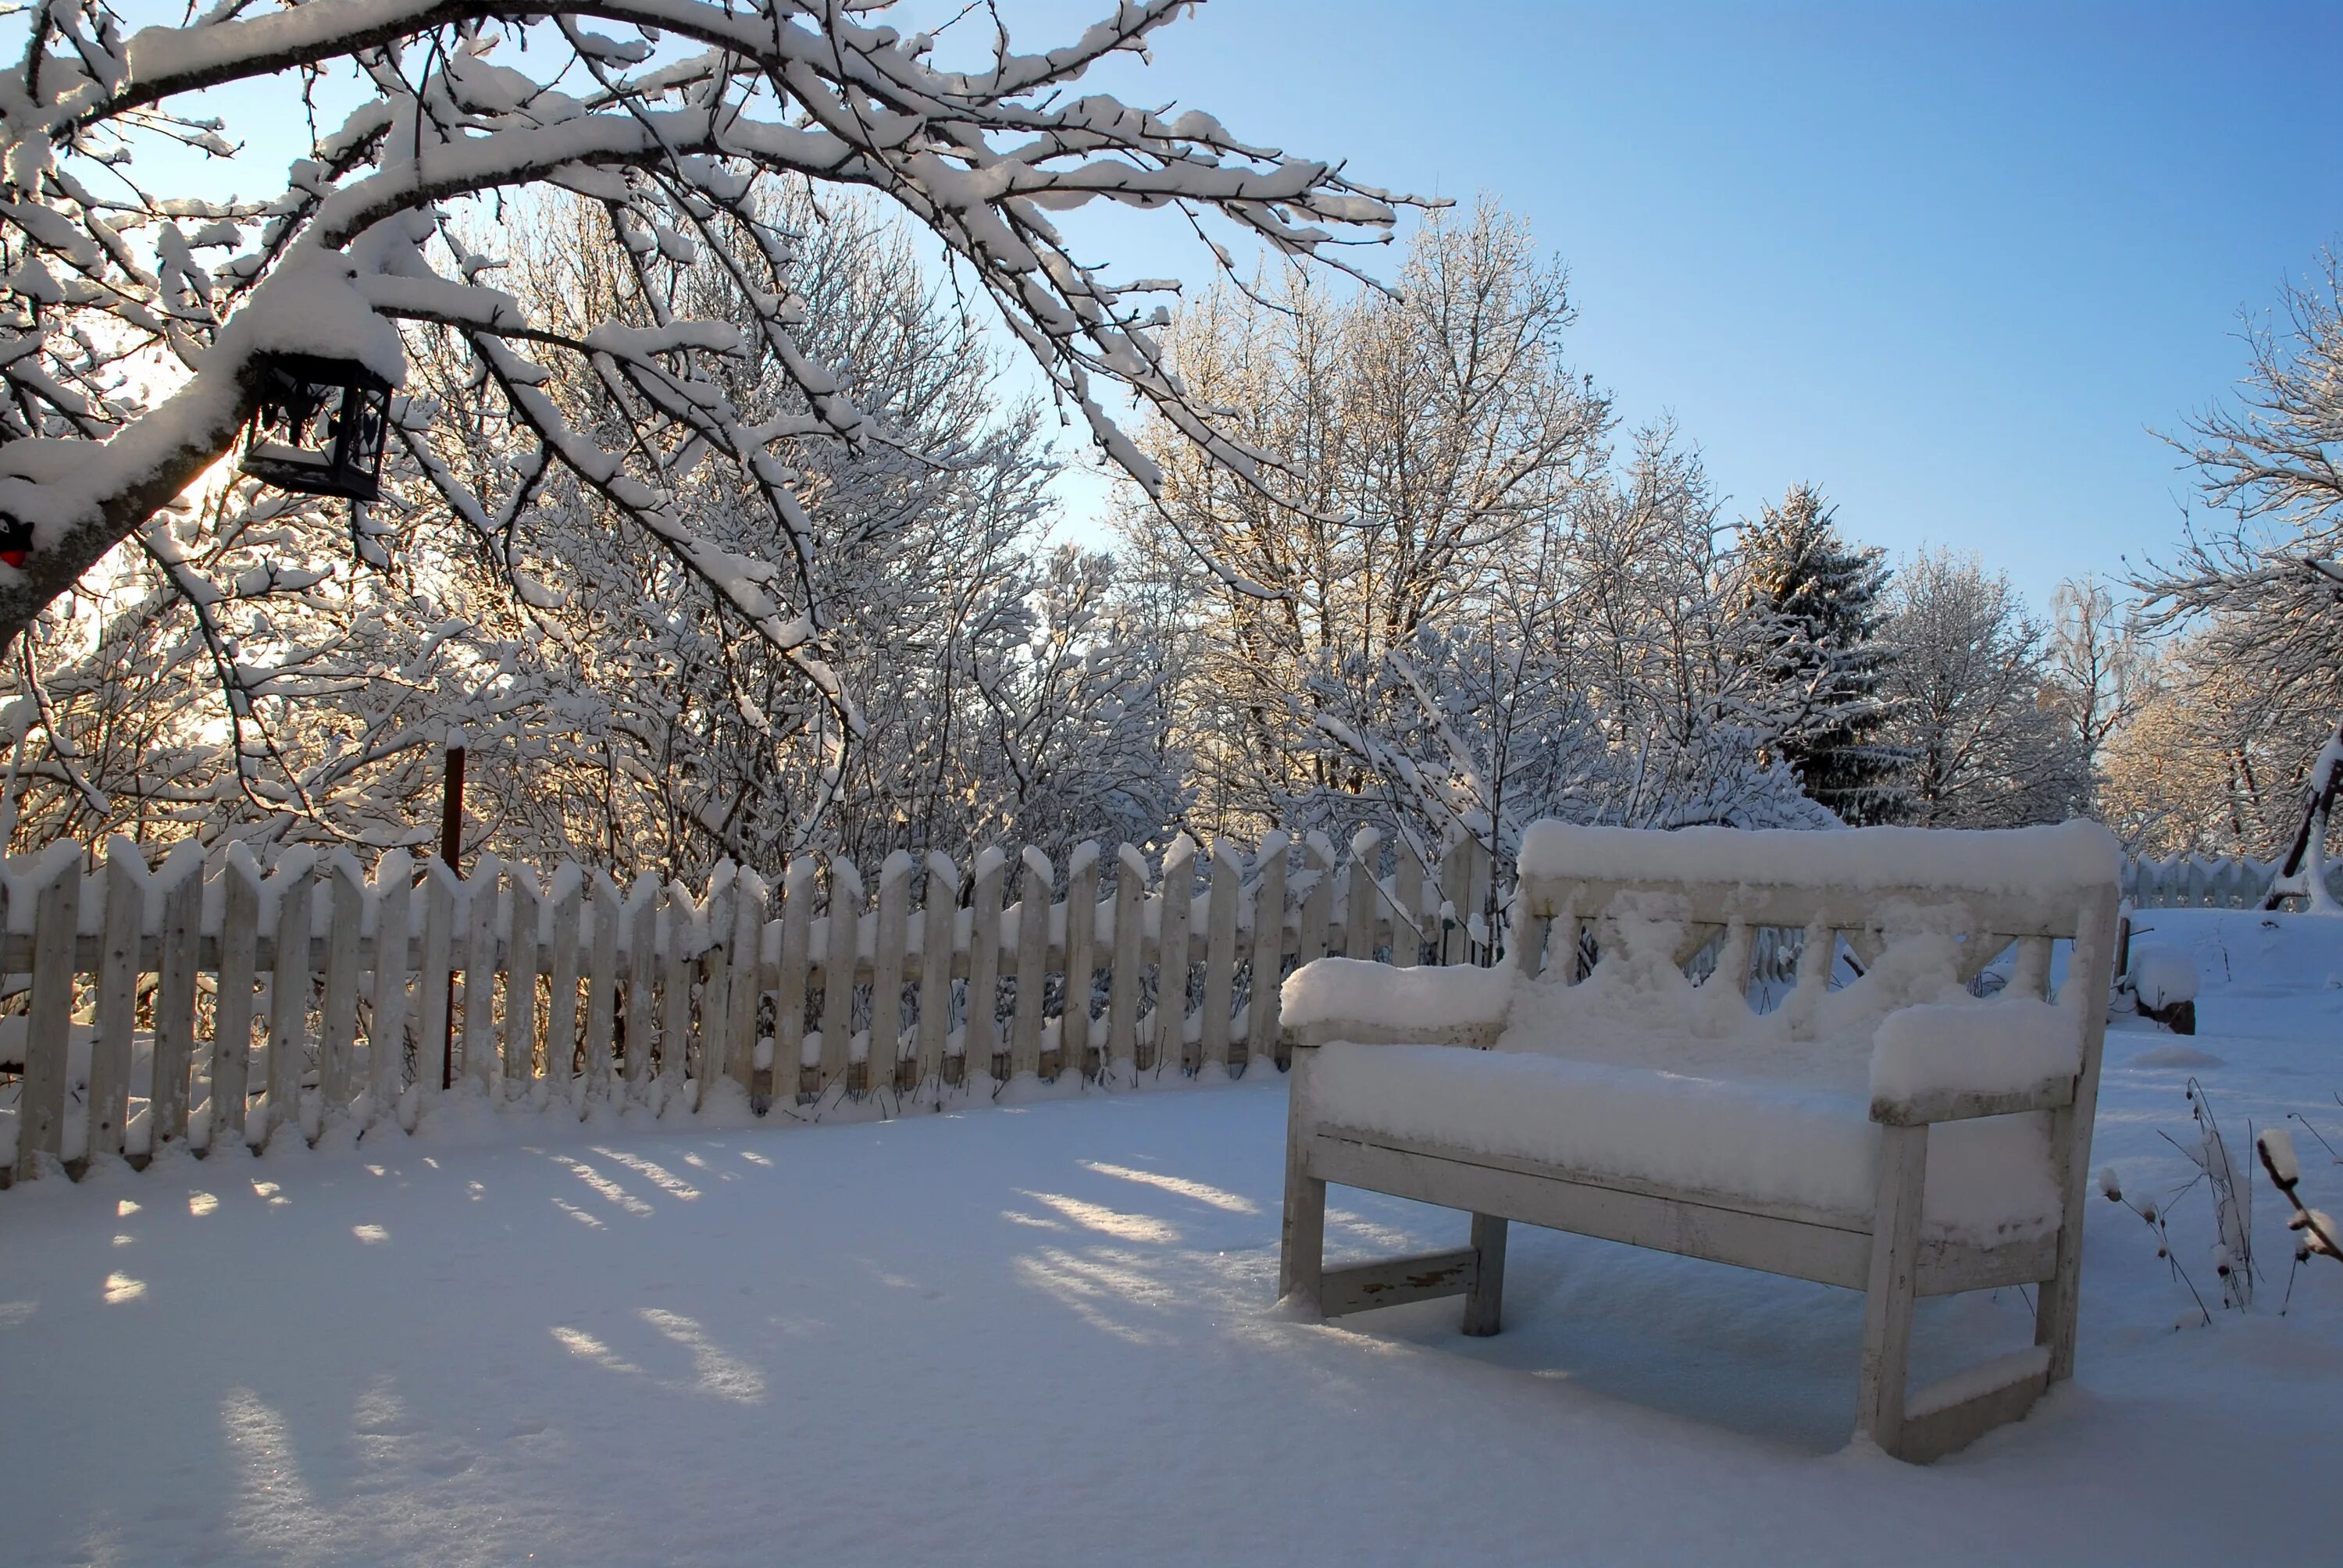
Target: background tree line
[{"x": 1459, "y": 599}]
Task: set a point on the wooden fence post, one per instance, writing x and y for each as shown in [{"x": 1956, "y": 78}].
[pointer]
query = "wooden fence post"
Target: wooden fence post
[{"x": 1219, "y": 959}]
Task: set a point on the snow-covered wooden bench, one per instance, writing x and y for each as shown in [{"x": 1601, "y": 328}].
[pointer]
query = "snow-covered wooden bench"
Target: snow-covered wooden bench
[{"x": 1894, "y": 1134}]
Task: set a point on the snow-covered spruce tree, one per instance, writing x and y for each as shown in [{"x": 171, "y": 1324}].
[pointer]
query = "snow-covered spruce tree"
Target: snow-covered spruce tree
[
  {"x": 1974, "y": 706},
  {"x": 1819, "y": 597},
  {"x": 2259, "y": 591},
  {"x": 138, "y": 320}
]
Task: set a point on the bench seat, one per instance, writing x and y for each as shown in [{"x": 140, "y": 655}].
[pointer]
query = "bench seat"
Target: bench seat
[{"x": 1790, "y": 1146}]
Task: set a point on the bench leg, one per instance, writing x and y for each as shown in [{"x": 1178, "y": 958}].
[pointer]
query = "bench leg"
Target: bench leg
[
  {"x": 1484, "y": 1302},
  {"x": 2054, "y": 1308},
  {"x": 1301, "y": 1236},
  {"x": 1301, "y": 1254},
  {"x": 1888, "y": 1308}
]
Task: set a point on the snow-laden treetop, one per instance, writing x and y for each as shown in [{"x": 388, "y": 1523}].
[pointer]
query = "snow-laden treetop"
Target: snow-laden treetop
[{"x": 132, "y": 315}]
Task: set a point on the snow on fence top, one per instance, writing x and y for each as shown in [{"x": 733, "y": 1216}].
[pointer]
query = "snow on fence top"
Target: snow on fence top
[{"x": 2019, "y": 862}]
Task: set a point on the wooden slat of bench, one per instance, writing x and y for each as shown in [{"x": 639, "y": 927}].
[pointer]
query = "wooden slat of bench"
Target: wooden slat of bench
[
  {"x": 1807, "y": 1244},
  {"x": 1796, "y": 1213},
  {"x": 1935, "y": 1426},
  {"x": 1388, "y": 1281}
]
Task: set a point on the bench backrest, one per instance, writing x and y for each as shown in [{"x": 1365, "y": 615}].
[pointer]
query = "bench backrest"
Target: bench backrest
[{"x": 2031, "y": 886}]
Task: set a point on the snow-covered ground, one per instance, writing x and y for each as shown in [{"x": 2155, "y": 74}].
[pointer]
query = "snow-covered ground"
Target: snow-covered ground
[{"x": 1045, "y": 1334}]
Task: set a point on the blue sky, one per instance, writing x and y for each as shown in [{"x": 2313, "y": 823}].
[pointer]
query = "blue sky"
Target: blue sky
[{"x": 1955, "y": 262}]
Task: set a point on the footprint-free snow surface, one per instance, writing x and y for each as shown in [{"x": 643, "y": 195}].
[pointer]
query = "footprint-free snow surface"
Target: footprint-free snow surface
[{"x": 1045, "y": 1334}]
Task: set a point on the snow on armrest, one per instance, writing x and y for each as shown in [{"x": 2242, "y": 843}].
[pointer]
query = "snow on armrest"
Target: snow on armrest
[
  {"x": 1375, "y": 1004},
  {"x": 1946, "y": 1063}
]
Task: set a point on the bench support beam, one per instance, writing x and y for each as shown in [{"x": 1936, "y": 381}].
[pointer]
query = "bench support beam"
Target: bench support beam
[{"x": 1389, "y": 1282}]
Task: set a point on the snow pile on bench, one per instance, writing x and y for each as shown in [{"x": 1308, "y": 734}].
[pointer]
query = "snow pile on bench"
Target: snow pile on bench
[
  {"x": 1396, "y": 999},
  {"x": 1989, "y": 1179},
  {"x": 2004, "y": 1047},
  {"x": 2163, "y": 974},
  {"x": 2026, "y": 862}
]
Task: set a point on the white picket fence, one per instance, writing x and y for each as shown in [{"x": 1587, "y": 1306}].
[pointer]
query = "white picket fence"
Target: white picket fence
[
  {"x": 130, "y": 994},
  {"x": 2203, "y": 882}
]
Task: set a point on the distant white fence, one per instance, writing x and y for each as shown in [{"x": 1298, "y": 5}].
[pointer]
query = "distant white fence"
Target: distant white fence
[
  {"x": 200, "y": 1001},
  {"x": 2198, "y": 881}
]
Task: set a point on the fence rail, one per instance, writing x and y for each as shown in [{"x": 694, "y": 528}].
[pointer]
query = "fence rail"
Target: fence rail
[{"x": 204, "y": 1000}]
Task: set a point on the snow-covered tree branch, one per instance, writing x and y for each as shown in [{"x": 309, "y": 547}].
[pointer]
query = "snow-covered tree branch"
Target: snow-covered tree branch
[{"x": 135, "y": 318}]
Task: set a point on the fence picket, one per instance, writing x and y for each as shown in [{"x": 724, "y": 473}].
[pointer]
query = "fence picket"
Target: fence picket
[
  {"x": 118, "y": 998},
  {"x": 480, "y": 1064},
  {"x": 435, "y": 981},
  {"x": 233, "y": 1003},
  {"x": 1075, "y": 1051},
  {"x": 288, "y": 997},
  {"x": 49, "y": 1023},
  {"x": 1220, "y": 959},
  {"x": 938, "y": 925},
  {"x": 1128, "y": 935},
  {"x": 979, "y": 1026},
  {"x": 714, "y": 971},
  {"x": 675, "y": 994},
  {"x": 1268, "y": 959},
  {"x": 794, "y": 978},
  {"x": 1407, "y": 905},
  {"x": 642, "y": 977},
  {"x": 1033, "y": 962},
  {"x": 181, "y": 877},
  {"x": 841, "y": 945},
  {"x": 394, "y": 895},
  {"x": 523, "y": 925},
  {"x": 1362, "y": 900},
  {"x": 887, "y": 971},
  {"x": 569, "y": 893},
  {"x": 338, "y": 1022},
  {"x": 1176, "y": 907},
  {"x": 745, "y": 985},
  {"x": 601, "y": 992}
]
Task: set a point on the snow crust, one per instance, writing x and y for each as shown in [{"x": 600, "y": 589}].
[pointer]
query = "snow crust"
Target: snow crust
[
  {"x": 2024, "y": 862},
  {"x": 2001, "y": 1046},
  {"x": 603, "y": 1343},
  {"x": 1333, "y": 989}
]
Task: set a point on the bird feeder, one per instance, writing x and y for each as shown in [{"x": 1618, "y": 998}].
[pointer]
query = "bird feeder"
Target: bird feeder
[{"x": 320, "y": 428}]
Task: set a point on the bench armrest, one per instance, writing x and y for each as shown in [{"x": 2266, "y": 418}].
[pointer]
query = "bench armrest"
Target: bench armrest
[
  {"x": 1375, "y": 1004},
  {"x": 1950, "y": 1062},
  {"x": 1370, "y": 1032},
  {"x": 1959, "y": 1104}
]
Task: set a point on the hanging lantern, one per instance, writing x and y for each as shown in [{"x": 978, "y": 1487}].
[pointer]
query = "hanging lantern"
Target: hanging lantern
[{"x": 320, "y": 426}]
